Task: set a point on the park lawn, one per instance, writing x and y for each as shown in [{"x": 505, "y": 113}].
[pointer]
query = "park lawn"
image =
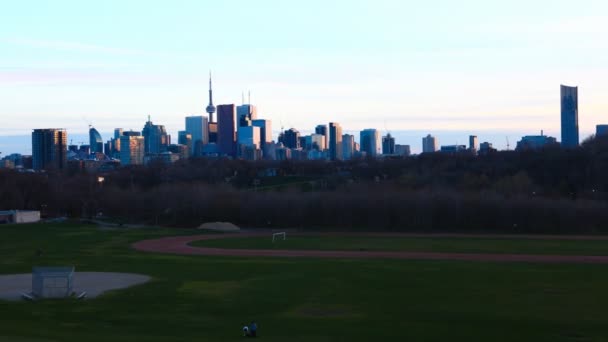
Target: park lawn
[
  {"x": 210, "y": 298},
  {"x": 416, "y": 244}
]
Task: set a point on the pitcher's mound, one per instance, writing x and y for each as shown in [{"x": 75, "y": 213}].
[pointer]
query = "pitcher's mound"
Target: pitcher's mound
[
  {"x": 93, "y": 283},
  {"x": 226, "y": 227}
]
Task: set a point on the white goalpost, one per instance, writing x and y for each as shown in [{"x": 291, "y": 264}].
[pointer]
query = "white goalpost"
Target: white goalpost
[{"x": 278, "y": 236}]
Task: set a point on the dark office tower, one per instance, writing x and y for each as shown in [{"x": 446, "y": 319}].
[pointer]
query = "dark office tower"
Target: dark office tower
[
  {"x": 49, "y": 149},
  {"x": 291, "y": 138},
  {"x": 226, "y": 125},
  {"x": 246, "y": 114},
  {"x": 156, "y": 139},
  {"x": 95, "y": 141},
  {"x": 335, "y": 141},
  {"x": 322, "y": 129},
  {"x": 210, "y": 108},
  {"x": 569, "y": 97},
  {"x": 388, "y": 144}
]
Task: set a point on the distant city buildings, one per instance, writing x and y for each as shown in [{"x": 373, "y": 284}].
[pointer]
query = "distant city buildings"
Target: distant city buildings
[
  {"x": 132, "y": 148},
  {"x": 198, "y": 128},
  {"x": 473, "y": 143},
  {"x": 429, "y": 144},
  {"x": 388, "y": 145},
  {"x": 236, "y": 132},
  {"x": 403, "y": 150},
  {"x": 156, "y": 139},
  {"x": 348, "y": 146},
  {"x": 95, "y": 141},
  {"x": 371, "y": 142},
  {"x": 453, "y": 149},
  {"x": 226, "y": 130},
  {"x": 335, "y": 141},
  {"x": 535, "y": 142},
  {"x": 569, "y": 105},
  {"x": 49, "y": 149}
]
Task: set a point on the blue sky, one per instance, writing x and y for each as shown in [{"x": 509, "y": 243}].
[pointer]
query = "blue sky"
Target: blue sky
[{"x": 468, "y": 67}]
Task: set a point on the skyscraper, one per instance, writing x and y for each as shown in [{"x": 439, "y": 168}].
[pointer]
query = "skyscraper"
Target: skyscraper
[
  {"x": 322, "y": 129},
  {"x": 335, "y": 141},
  {"x": 429, "y": 144},
  {"x": 132, "y": 148},
  {"x": 95, "y": 141},
  {"x": 198, "y": 128},
  {"x": 371, "y": 142},
  {"x": 388, "y": 144},
  {"x": 246, "y": 114},
  {"x": 473, "y": 143},
  {"x": 49, "y": 148},
  {"x": 226, "y": 124},
  {"x": 569, "y": 104},
  {"x": 348, "y": 146},
  {"x": 184, "y": 138},
  {"x": 291, "y": 138},
  {"x": 155, "y": 138},
  {"x": 265, "y": 130}
]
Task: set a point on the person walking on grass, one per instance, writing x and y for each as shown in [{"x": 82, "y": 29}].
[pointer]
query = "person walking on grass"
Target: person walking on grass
[{"x": 253, "y": 329}]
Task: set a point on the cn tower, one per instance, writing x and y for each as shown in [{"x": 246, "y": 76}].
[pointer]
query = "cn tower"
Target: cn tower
[{"x": 210, "y": 107}]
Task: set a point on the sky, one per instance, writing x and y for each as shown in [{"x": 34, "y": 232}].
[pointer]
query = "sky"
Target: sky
[{"x": 449, "y": 68}]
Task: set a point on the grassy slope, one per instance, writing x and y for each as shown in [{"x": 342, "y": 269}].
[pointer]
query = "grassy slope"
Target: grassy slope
[
  {"x": 208, "y": 299},
  {"x": 447, "y": 245}
]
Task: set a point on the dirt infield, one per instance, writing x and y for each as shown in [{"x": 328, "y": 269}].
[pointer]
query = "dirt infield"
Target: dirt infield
[{"x": 180, "y": 245}]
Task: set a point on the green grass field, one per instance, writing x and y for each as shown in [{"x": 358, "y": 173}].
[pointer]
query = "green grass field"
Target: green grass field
[
  {"x": 210, "y": 298},
  {"x": 416, "y": 244}
]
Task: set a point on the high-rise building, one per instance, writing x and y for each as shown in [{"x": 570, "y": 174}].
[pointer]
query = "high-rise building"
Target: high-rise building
[
  {"x": 348, "y": 146},
  {"x": 198, "y": 128},
  {"x": 371, "y": 142},
  {"x": 49, "y": 149},
  {"x": 95, "y": 141},
  {"x": 569, "y": 99},
  {"x": 226, "y": 125},
  {"x": 155, "y": 138},
  {"x": 388, "y": 144},
  {"x": 265, "y": 130},
  {"x": 185, "y": 139},
  {"x": 322, "y": 129},
  {"x": 335, "y": 141},
  {"x": 429, "y": 144},
  {"x": 601, "y": 130},
  {"x": 473, "y": 143},
  {"x": 117, "y": 133},
  {"x": 132, "y": 148},
  {"x": 291, "y": 138},
  {"x": 246, "y": 114},
  {"x": 248, "y": 142}
]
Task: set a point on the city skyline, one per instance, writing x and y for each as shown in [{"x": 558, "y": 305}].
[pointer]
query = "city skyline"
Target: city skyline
[{"x": 467, "y": 68}]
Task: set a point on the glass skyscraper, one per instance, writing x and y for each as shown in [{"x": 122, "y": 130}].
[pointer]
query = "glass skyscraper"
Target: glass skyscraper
[
  {"x": 49, "y": 149},
  {"x": 569, "y": 98}
]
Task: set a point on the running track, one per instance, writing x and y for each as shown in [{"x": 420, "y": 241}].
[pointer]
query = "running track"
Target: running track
[{"x": 180, "y": 245}]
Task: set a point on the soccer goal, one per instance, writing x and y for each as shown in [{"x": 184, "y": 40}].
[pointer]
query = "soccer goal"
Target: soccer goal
[
  {"x": 52, "y": 282},
  {"x": 278, "y": 236}
]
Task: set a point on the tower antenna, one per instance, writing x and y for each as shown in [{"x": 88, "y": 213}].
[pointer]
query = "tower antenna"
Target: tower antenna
[
  {"x": 249, "y": 97},
  {"x": 508, "y": 144},
  {"x": 243, "y": 97}
]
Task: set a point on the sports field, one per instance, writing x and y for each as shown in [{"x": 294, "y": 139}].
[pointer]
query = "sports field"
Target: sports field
[
  {"x": 205, "y": 298},
  {"x": 415, "y": 243}
]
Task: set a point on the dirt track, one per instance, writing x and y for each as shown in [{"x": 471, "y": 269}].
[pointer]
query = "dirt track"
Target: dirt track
[{"x": 180, "y": 245}]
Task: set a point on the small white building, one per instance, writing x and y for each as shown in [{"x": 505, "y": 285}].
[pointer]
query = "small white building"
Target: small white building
[{"x": 19, "y": 216}]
